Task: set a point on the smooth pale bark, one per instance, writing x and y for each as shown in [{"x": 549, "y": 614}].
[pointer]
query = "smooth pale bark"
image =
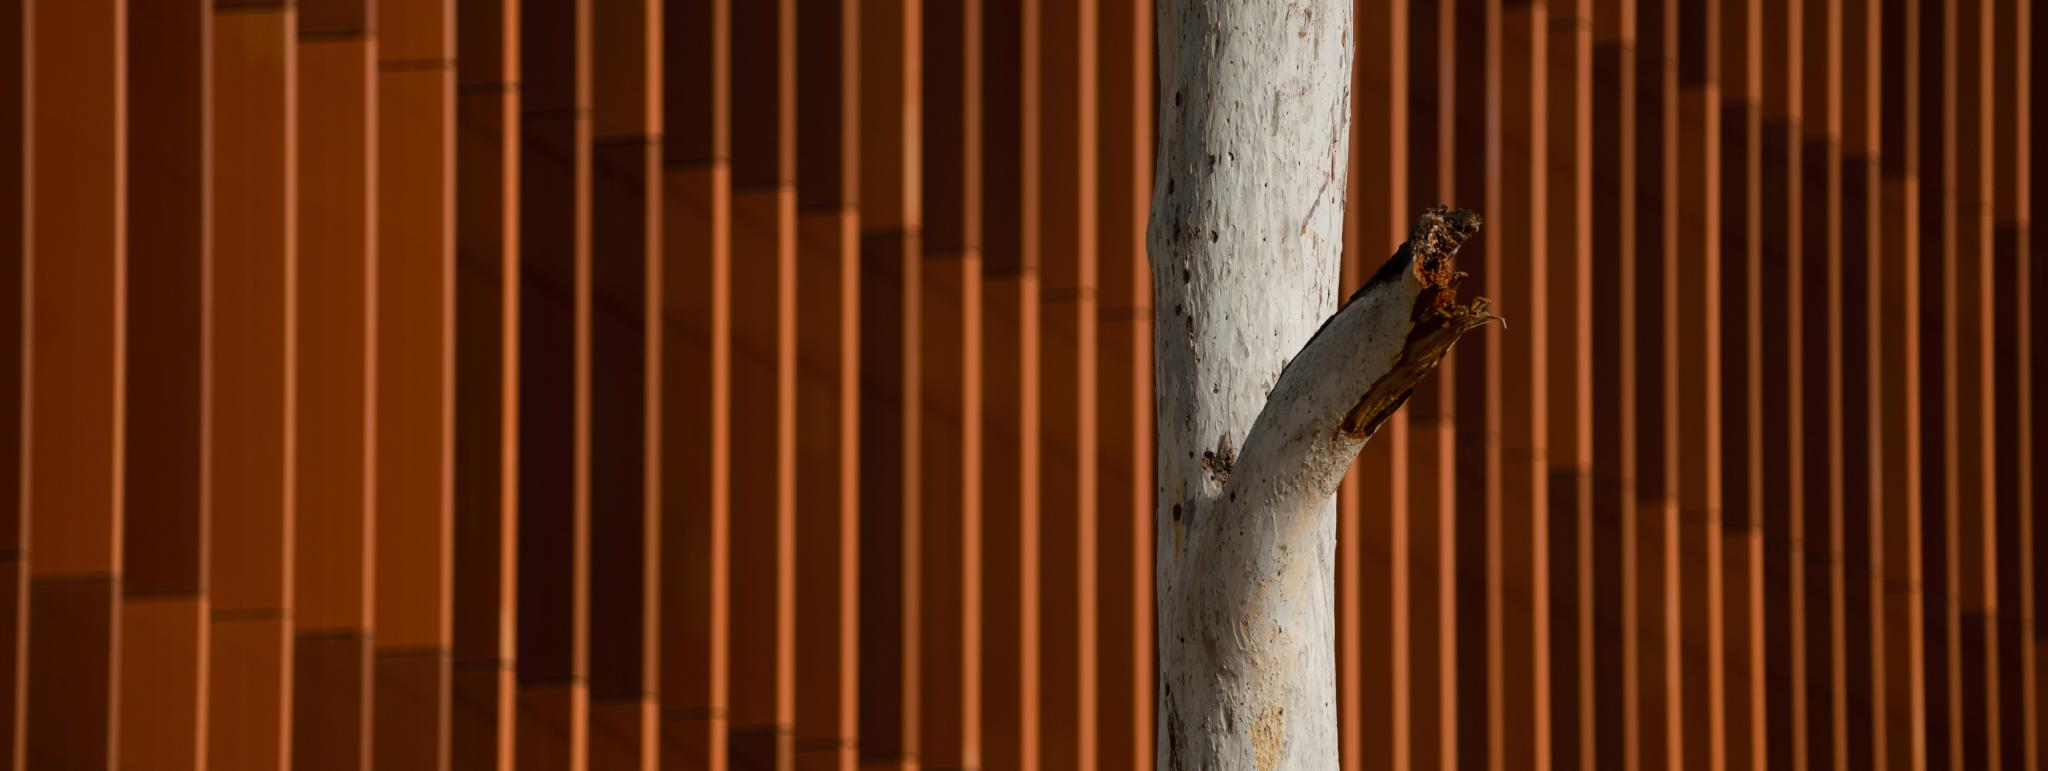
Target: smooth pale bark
[{"x": 1245, "y": 240}]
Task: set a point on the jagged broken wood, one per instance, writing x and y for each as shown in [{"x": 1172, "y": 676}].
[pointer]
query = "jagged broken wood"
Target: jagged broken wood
[
  {"x": 1245, "y": 239},
  {"x": 1361, "y": 365}
]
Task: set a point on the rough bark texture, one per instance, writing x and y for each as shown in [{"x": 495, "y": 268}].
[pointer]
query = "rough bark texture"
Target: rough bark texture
[{"x": 1245, "y": 241}]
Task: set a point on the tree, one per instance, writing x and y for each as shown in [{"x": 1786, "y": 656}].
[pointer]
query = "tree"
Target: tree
[{"x": 1245, "y": 238}]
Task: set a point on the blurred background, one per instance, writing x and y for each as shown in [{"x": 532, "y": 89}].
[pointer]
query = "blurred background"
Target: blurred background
[{"x": 765, "y": 384}]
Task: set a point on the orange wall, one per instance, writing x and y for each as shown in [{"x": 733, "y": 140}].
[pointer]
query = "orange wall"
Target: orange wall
[{"x": 766, "y": 384}]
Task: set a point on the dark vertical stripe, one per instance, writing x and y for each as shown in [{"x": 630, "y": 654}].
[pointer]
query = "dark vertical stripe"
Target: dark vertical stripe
[
  {"x": 17, "y": 130},
  {"x": 1785, "y": 628},
  {"x": 1864, "y": 677},
  {"x": 1936, "y": 282},
  {"x": 1520, "y": 598},
  {"x": 163, "y": 526},
  {"x": 625, "y": 482},
  {"x": 828, "y": 389},
  {"x": 1819, "y": 318},
  {"x": 554, "y": 403},
  {"x": 1656, "y": 286},
  {"x": 1475, "y": 391},
  {"x": 1741, "y": 80},
  {"x": 1617, "y": 690},
  {"x": 889, "y": 292},
  {"x": 486, "y": 438}
]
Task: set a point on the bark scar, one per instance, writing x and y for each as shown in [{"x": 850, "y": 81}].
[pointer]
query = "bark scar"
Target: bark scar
[
  {"x": 1219, "y": 461},
  {"x": 1267, "y": 732}
]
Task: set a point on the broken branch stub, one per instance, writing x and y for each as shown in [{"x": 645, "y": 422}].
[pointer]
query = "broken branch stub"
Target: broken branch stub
[{"x": 1439, "y": 319}]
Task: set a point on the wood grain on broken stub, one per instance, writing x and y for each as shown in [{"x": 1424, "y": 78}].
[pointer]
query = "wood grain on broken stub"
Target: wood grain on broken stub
[{"x": 1439, "y": 319}]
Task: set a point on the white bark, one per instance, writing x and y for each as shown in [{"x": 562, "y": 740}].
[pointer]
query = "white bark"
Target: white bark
[{"x": 1245, "y": 238}]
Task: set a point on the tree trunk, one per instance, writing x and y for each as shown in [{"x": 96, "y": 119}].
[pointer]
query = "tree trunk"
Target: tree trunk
[{"x": 1245, "y": 240}]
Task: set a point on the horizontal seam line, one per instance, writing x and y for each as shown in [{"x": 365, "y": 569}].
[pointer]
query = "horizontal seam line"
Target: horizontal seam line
[
  {"x": 335, "y": 35},
  {"x": 414, "y": 65}
]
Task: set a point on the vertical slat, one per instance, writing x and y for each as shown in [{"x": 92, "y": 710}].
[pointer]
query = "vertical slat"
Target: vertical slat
[
  {"x": 1742, "y": 497},
  {"x": 1863, "y": 533},
  {"x": 1568, "y": 366},
  {"x": 1475, "y": 391},
  {"x": 625, "y": 463},
  {"x": 828, "y": 389},
  {"x": 1656, "y": 282},
  {"x": 1906, "y": 716},
  {"x": 1350, "y": 700},
  {"x": 74, "y": 341},
  {"x": 1862, "y": 545},
  {"x": 1819, "y": 322},
  {"x": 162, "y": 706},
  {"x": 1433, "y": 525},
  {"x": 486, "y": 439},
  {"x": 1936, "y": 283},
  {"x": 2034, "y": 83},
  {"x": 950, "y": 537},
  {"x": 2011, "y": 275},
  {"x": 335, "y": 500},
  {"x": 1785, "y": 627},
  {"x": 696, "y": 383},
  {"x": 1617, "y": 643},
  {"x": 1374, "y": 668},
  {"x": 1520, "y": 598},
  {"x": 415, "y": 380},
  {"x": 1068, "y": 272},
  {"x": 950, "y": 420},
  {"x": 253, "y": 340},
  {"x": 764, "y": 383},
  {"x": 1010, "y": 399},
  {"x": 1123, "y": 357},
  {"x": 17, "y": 130},
  {"x": 889, "y": 292},
  {"x": 1975, "y": 494},
  {"x": 1699, "y": 326},
  {"x": 554, "y": 400},
  {"x": 163, "y": 622}
]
